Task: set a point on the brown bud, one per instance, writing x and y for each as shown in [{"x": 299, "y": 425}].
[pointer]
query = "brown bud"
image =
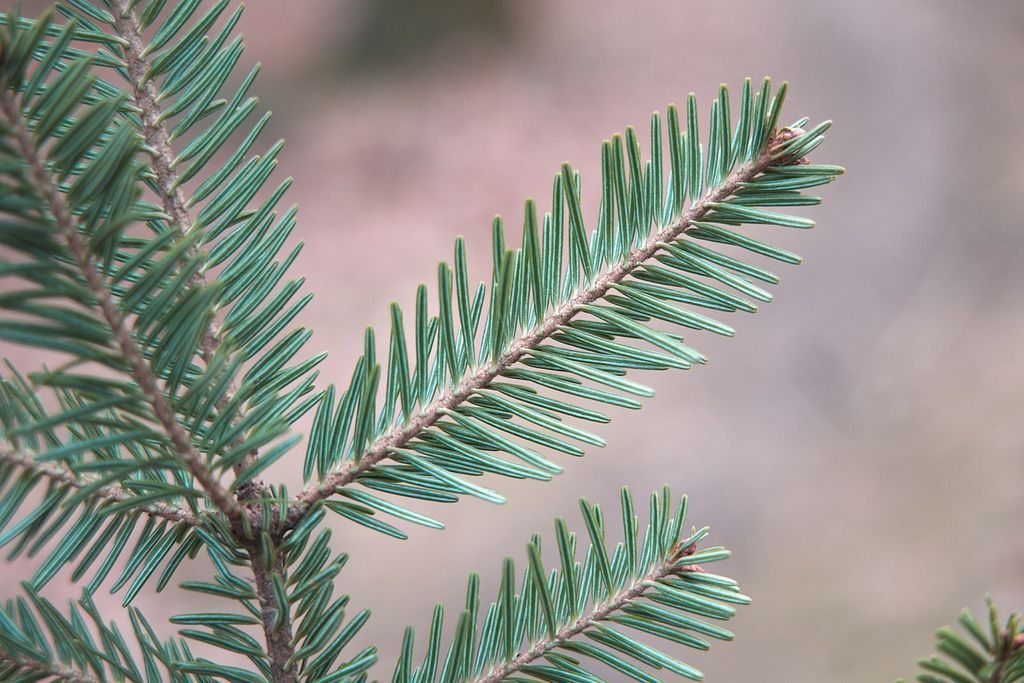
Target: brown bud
[
  {"x": 681, "y": 552},
  {"x": 784, "y": 135}
]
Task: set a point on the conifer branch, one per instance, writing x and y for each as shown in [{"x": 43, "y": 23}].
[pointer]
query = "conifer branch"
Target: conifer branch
[
  {"x": 157, "y": 137},
  {"x": 274, "y": 617},
  {"x": 42, "y": 670},
  {"x": 398, "y": 436},
  {"x": 986, "y": 650},
  {"x": 115, "y": 494},
  {"x": 104, "y": 300},
  {"x": 209, "y": 373},
  {"x": 625, "y": 596},
  {"x": 653, "y": 583}
]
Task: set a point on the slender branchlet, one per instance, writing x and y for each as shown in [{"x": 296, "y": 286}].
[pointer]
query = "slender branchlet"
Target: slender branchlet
[
  {"x": 481, "y": 377},
  {"x": 599, "y": 612},
  {"x": 104, "y": 300},
  {"x": 115, "y": 494},
  {"x": 157, "y": 137},
  {"x": 172, "y": 198},
  {"x": 43, "y": 672}
]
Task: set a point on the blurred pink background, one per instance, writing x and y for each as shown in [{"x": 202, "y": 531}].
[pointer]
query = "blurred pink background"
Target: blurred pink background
[{"x": 858, "y": 445}]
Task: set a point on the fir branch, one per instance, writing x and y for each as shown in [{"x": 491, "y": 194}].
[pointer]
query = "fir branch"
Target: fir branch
[
  {"x": 652, "y": 583},
  {"x": 986, "y": 652},
  {"x": 40, "y": 641},
  {"x": 449, "y": 402},
  {"x": 398, "y": 436},
  {"x": 222, "y": 418},
  {"x": 277, "y": 633},
  {"x": 65, "y": 222},
  {"x": 625, "y": 596},
  {"x": 115, "y": 494},
  {"x": 41, "y": 669},
  {"x": 172, "y": 198}
]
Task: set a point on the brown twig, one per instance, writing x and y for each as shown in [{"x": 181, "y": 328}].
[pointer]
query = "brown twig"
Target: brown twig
[{"x": 279, "y": 640}]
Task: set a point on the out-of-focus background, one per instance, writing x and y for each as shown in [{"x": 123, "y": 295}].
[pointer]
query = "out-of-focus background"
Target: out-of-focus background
[{"x": 859, "y": 445}]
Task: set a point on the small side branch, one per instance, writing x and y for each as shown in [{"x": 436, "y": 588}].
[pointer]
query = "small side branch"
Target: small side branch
[
  {"x": 115, "y": 494},
  {"x": 45, "y": 671},
  {"x": 274, "y": 617},
  {"x": 597, "y": 613},
  {"x": 167, "y": 180},
  {"x": 398, "y": 436},
  {"x": 140, "y": 370}
]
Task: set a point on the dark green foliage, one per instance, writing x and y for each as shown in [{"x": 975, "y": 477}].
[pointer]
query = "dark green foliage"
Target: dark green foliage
[
  {"x": 179, "y": 371},
  {"x": 981, "y": 653}
]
